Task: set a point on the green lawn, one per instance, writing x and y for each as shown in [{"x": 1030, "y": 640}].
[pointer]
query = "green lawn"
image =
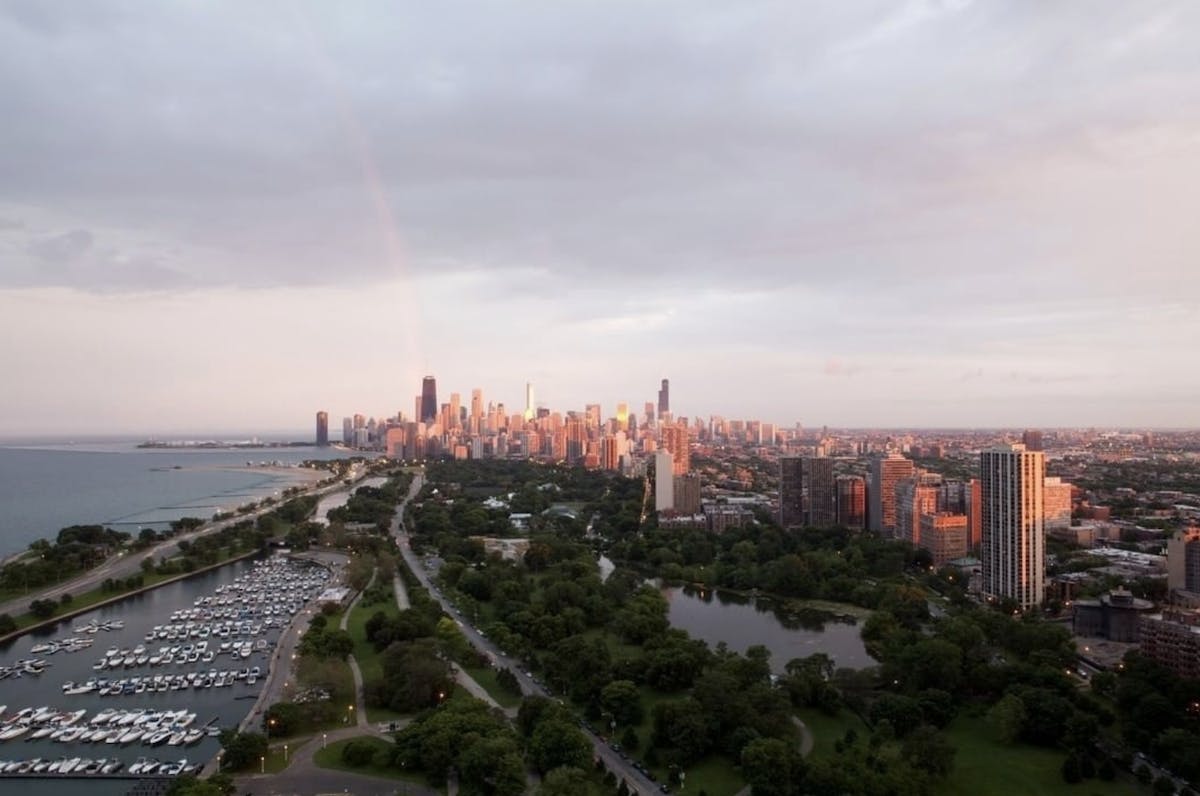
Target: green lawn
[
  {"x": 486, "y": 677},
  {"x": 331, "y": 757},
  {"x": 364, "y": 651},
  {"x": 987, "y": 767},
  {"x": 827, "y": 730}
]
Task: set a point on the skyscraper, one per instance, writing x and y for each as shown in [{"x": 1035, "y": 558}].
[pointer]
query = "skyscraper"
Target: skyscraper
[
  {"x": 885, "y": 472},
  {"x": 529, "y": 410},
  {"x": 664, "y": 397},
  {"x": 1012, "y": 493},
  {"x": 807, "y": 492},
  {"x": 476, "y": 405},
  {"x": 664, "y": 481},
  {"x": 429, "y": 404},
  {"x": 322, "y": 429},
  {"x": 852, "y": 501}
]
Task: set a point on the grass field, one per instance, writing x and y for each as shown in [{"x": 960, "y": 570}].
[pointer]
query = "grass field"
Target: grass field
[
  {"x": 827, "y": 730},
  {"x": 986, "y": 767},
  {"x": 331, "y": 757},
  {"x": 486, "y": 677}
]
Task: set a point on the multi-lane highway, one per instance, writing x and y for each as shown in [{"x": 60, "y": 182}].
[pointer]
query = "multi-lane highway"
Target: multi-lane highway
[{"x": 621, "y": 767}]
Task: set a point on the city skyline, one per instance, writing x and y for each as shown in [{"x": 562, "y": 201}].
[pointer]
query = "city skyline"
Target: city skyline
[{"x": 873, "y": 215}]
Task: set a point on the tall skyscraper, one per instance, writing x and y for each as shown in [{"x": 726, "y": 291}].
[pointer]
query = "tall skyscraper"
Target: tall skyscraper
[
  {"x": 477, "y": 405},
  {"x": 664, "y": 397},
  {"x": 791, "y": 491},
  {"x": 1032, "y": 439},
  {"x": 1012, "y": 492},
  {"x": 529, "y": 408},
  {"x": 807, "y": 492},
  {"x": 455, "y": 414},
  {"x": 429, "y": 404},
  {"x": 885, "y": 472},
  {"x": 322, "y": 429},
  {"x": 852, "y": 502},
  {"x": 664, "y": 481},
  {"x": 623, "y": 416},
  {"x": 915, "y": 496},
  {"x": 675, "y": 439}
]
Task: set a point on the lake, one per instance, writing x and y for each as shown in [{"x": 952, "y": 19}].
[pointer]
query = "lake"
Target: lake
[{"x": 743, "y": 621}]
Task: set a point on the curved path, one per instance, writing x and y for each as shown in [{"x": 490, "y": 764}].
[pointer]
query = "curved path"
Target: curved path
[
  {"x": 360, "y": 701},
  {"x": 304, "y": 777}
]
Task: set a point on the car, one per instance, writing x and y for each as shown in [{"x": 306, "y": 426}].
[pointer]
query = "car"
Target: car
[{"x": 616, "y": 747}]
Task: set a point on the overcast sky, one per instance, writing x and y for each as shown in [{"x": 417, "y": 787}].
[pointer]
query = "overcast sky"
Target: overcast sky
[{"x": 230, "y": 215}]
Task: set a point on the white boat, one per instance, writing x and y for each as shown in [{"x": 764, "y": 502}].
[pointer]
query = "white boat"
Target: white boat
[{"x": 15, "y": 731}]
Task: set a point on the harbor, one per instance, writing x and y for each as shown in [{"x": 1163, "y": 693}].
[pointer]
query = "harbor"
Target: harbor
[{"x": 182, "y": 662}]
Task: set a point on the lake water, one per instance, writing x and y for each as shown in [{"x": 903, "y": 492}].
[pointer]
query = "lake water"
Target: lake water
[
  {"x": 48, "y": 487},
  {"x": 742, "y": 622}
]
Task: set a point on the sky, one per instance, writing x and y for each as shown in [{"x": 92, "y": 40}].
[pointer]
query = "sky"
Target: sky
[{"x": 228, "y": 215}]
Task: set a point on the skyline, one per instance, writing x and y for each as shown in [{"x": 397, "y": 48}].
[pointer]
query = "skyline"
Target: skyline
[{"x": 925, "y": 215}]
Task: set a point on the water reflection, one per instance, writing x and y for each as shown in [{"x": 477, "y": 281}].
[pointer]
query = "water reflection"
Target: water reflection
[{"x": 789, "y": 629}]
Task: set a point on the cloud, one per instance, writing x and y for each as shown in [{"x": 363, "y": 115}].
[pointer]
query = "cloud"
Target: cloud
[{"x": 871, "y": 189}]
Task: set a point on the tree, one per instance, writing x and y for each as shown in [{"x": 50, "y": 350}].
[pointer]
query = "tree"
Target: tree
[
  {"x": 242, "y": 748},
  {"x": 772, "y": 767},
  {"x": 7, "y": 624},
  {"x": 622, "y": 699},
  {"x": 929, "y": 750},
  {"x": 564, "y": 781},
  {"x": 42, "y": 609},
  {"x": 557, "y": 742},
  {"x": 1008, "y": 717}
]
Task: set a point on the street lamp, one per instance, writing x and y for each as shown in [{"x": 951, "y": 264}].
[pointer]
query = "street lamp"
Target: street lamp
[
  {"x": 262, "y": 764},
  {"x": 285, "y": 753},
  {"x": 324, "y": 739}
]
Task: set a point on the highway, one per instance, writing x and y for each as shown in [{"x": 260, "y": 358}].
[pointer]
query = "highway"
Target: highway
[
  {"x": 621, "y": 767},
  {"x": 123, "y": 564}
]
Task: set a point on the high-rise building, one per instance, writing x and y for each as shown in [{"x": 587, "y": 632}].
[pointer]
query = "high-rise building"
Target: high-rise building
[
  {"x": 622, "y": 416},
  {"x": 791, "y": 491},
  {"x": 322, "y": 429},
  {"x": 1183, "y": 561},
  {"x": 1012, "y": 493},
  {"x": 455, "y": 405},
  {"x": 1058, "y": 503},
  {"x": 944, "y": 535},
  {"x": 852, "y": 502},
  {"x": 885, "y": 472},
  {"x": 1032, "y": 440},
  {"x": 915, "y": 496},
  {"x": 477, "y": 405},
  {"x": 664, "y": 481},
  {"x": 529, "y": 408},
  {"x": 347, "y": 431},
  {"x": 429, "y": 404},
  {"x": 664, "y": 397},
  {"x": 675, "y": 439},
  {"x": 974, "y": 509},
  {"x": 807, "y": 492},
  {"x": 687, "y": 494}
]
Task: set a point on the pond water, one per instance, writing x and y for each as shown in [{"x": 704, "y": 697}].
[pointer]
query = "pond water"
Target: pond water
[{"x": 786, "y": 629}]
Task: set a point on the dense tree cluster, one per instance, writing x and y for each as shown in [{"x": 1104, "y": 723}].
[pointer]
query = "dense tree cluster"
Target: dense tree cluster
[{"x": 467, "y": 736}]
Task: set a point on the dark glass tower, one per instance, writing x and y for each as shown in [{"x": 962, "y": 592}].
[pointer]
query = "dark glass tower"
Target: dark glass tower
[
  {"x": 664, "y": 398},
  {"x": 429, "y": 404},
  {"x": 322, "y": 429}
]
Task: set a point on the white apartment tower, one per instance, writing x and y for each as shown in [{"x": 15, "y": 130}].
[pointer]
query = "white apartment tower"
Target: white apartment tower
[
  {"x": 1012, "y": 491},
  {"x": 664, "y": 481}
]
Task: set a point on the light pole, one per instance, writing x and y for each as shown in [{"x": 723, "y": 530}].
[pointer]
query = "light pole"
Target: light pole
[
  {"x": 262, "y": 761},
  {"x": 324, "y": 739}
]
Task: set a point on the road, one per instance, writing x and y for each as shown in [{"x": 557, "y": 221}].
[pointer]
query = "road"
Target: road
[
  {"x": 638, "y": 782},
  {"x": 123, "y": 565}
]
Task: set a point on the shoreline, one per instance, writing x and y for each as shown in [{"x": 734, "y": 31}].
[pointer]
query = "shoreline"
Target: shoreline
[{"x": 116, "y": 598}]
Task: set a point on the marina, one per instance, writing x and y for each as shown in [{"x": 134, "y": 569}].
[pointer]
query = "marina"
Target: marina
[{"x": 182, "y": 662}]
